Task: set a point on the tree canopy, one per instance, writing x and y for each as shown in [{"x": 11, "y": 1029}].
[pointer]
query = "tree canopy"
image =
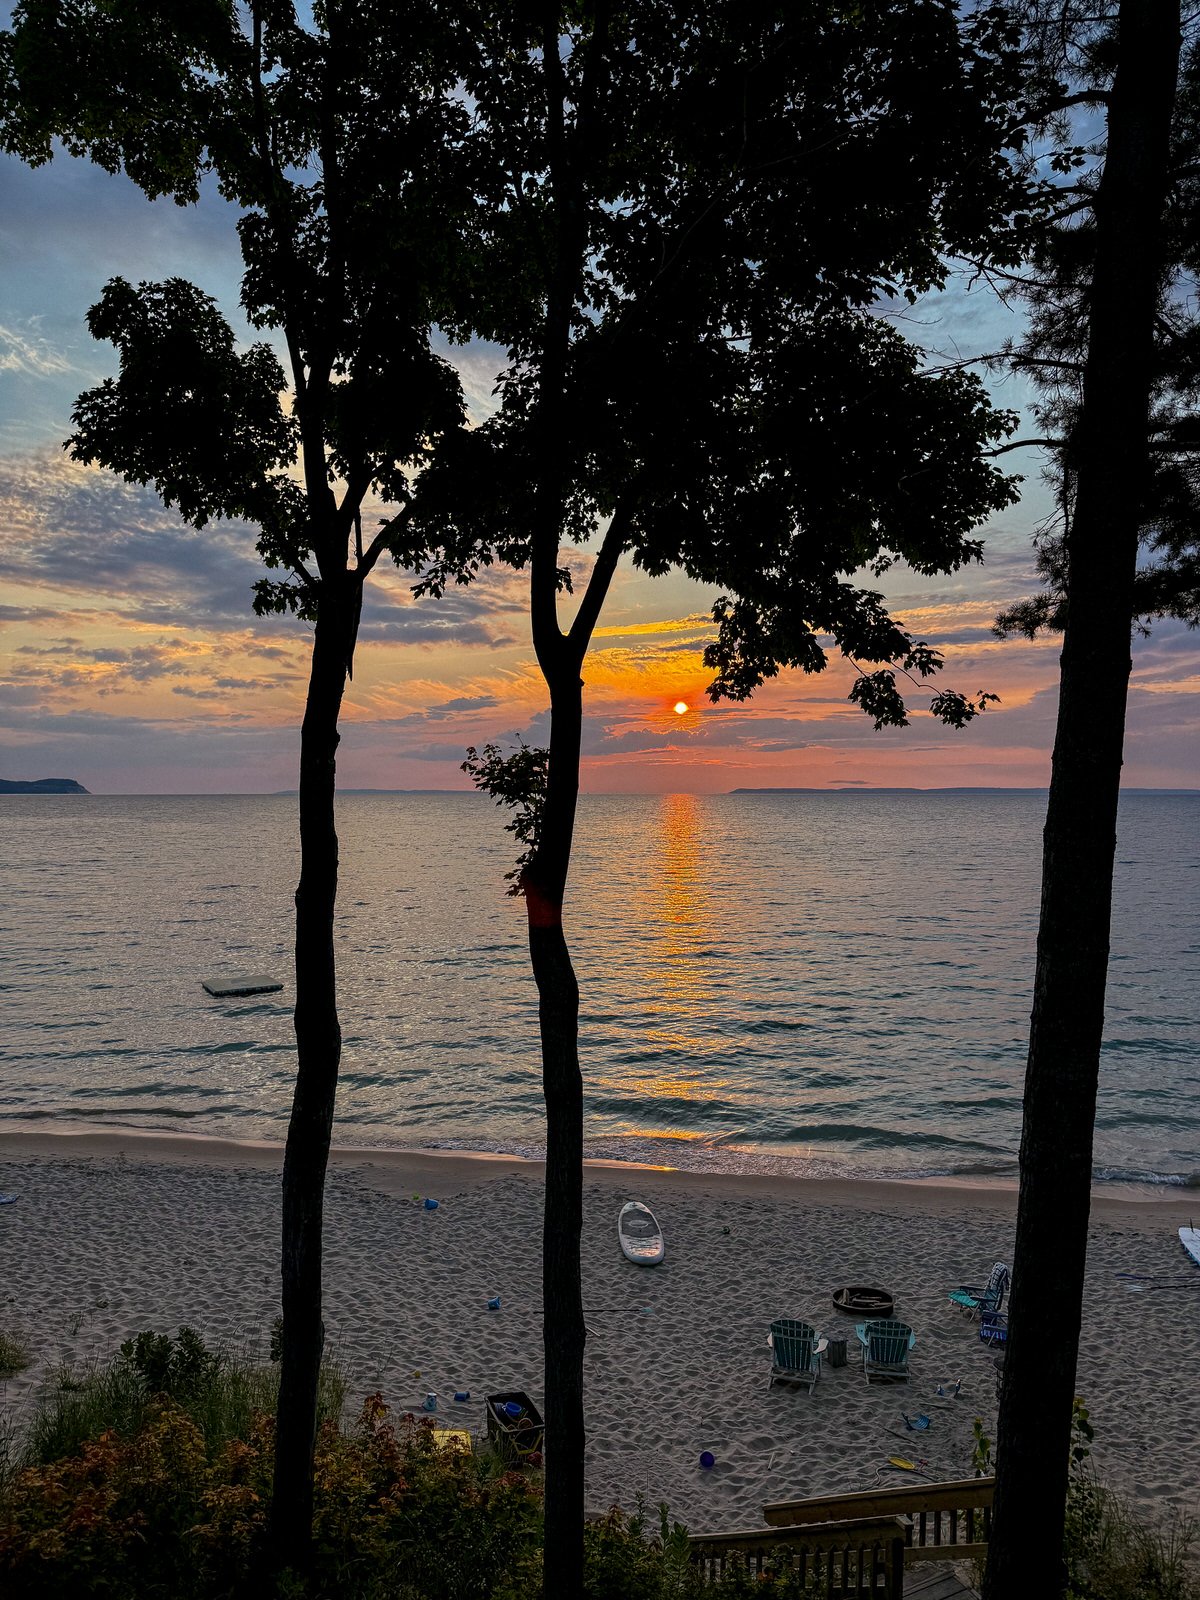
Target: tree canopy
[
  {"x": 341, "y": 144},
  {"x": 705, "y": 210}
]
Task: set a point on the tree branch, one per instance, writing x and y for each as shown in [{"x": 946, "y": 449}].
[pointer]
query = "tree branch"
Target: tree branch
[
  {"x": 611, "y": 547},
  {"x": 1021, "y": 444},
  {"x": 1052, "y": 108},
  {"x": 570, "y": 244},
  {"x": 1069, "y": 211},
  {"x": 1019, "y": 359},
  {"x": 305, "y": 576},
  {"x": 358, "y": 481},
  {"x": 383, "y": 539},
  {"x": 312, "y": 434}
]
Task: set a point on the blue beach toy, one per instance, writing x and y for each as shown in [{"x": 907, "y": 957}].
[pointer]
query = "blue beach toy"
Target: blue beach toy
[
  {"x": 915, "y": 1424},
  {"x": 707, "y": 1460},
  {"x": 494, "y": 1303},
  {"x": 462, "y": 1394},
  {"x": 513, "y": 1408},
  {"x": 430, "y": 1205}
]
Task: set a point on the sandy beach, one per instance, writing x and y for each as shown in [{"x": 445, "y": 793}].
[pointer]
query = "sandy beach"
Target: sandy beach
[{"x": 115, "y": 1232}]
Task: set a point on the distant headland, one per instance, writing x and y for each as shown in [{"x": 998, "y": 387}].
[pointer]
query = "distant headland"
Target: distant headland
[
  {"x": 869, "y": 789},
  {"x": 41, "y": 786}
]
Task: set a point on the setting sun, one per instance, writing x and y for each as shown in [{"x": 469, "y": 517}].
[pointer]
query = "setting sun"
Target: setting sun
[{"x": 680, "y": 707}]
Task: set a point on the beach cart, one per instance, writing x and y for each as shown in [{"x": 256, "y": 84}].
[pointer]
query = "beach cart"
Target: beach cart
[{"x": 514, "y": 1424}]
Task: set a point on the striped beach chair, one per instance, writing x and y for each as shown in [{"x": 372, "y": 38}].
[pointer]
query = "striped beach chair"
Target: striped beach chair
[{"x": 990, "y": 1297}]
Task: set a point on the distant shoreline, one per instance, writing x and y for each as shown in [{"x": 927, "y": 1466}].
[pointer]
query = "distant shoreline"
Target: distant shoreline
[{"x": 965, "y": 788}]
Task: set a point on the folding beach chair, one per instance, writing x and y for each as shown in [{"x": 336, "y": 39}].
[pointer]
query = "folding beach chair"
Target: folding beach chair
[
  {"x": 795, "y": 1352},
  {"x": 974, "y": 1300},
  {"x": 885, "y": 1346},
  {"x": 993, "y": 1327}
]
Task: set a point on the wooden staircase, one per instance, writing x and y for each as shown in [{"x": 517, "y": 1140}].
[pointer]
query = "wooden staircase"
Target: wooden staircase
[{"x": 863, "y": 1544}]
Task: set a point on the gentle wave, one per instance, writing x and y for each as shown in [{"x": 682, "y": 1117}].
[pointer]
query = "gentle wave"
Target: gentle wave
[{"x": 1175, "y": 1180}]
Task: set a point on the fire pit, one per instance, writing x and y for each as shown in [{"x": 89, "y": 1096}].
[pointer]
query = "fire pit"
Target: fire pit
[{"x": 861, "y": 1300}]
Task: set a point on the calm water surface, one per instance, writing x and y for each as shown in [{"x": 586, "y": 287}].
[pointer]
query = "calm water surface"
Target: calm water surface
[{"x": 836, "y": 980}]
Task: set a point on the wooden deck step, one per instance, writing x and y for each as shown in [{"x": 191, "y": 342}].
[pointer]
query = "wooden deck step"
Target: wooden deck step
[{"x": 935, "y": 1583}]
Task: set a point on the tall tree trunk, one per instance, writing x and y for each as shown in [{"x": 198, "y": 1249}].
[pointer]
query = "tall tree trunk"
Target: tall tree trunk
[
  {"x": 1109, "y": 457},
  {"x": 319, "y": 1048},
  {"x": 564, "y": 1332}
]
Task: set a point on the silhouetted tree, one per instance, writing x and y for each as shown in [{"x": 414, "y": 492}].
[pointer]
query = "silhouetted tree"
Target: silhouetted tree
[
  {"x": 1072, "y": 48},
  {"x": 1119, "y": 282},
  {"x": 706, "y": 206},
  {"x": 336, "y": 140}
]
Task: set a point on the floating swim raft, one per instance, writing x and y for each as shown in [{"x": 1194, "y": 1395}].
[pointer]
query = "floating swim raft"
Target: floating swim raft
[{"x": 240, "y": 984}]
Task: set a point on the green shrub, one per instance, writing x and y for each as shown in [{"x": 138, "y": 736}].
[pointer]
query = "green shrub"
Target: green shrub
[
  {"x": 158, "y": 1512},
  {"x": 220, "y": 1392},
  {"x": 623, "y": 1560},
  {"x": 1109, "y": 1551},
  {"x": 151, "y": 1478},
  {"x": 621, "y": 1563},
  {"x": 1113, "y": 1554},
  {"x": 14, "y": 1355}
]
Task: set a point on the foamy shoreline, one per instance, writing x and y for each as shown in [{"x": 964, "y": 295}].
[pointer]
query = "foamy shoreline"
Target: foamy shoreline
[
  {"x": 100, "y": 1139},
  {"x": 114, "y": 1231}
]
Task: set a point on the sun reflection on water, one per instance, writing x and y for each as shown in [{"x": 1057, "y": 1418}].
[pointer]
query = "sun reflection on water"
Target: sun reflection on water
[{"x": 674, "y": 907}]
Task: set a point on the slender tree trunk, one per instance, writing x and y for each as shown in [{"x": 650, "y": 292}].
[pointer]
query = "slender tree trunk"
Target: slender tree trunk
[
  {"x": 319, "y": 1047},
  {"x": 564, "y": 1332},
  {"x": 1109, "y": 457}
]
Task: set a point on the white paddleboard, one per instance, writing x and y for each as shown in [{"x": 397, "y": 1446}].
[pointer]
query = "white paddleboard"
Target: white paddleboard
[
  {"x": 1189, "y": 1238},
  {"x": 640, "y": 1235}
]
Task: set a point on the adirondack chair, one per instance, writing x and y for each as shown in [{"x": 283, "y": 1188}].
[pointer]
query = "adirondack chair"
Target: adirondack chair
[
  {"x": 885, "y": 1345},
  {"x": 990, "y": 1297},
  {"x": 796, "y": 1349}
]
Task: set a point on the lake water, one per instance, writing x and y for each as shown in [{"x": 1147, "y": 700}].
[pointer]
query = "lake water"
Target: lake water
[{"x": 838, "y": 982}]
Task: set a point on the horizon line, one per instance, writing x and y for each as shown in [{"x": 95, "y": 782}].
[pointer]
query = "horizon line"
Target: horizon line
[{"x": 776, "y": 789}]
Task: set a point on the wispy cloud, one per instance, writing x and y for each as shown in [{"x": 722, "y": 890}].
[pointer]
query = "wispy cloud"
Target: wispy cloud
[
  {"x": 80, "y": 531},
  {"x": 27, "y": 352},
  {"x": 698, "y": 622}
]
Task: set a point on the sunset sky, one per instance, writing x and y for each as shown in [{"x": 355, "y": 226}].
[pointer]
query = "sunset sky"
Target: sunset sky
[{"x": 130, "y": 658}]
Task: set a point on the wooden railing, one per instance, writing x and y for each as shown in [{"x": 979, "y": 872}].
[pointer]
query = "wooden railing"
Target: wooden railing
[
  {"x": 853, "y": 1556},
  {"x": 946, "y": 1521}
]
